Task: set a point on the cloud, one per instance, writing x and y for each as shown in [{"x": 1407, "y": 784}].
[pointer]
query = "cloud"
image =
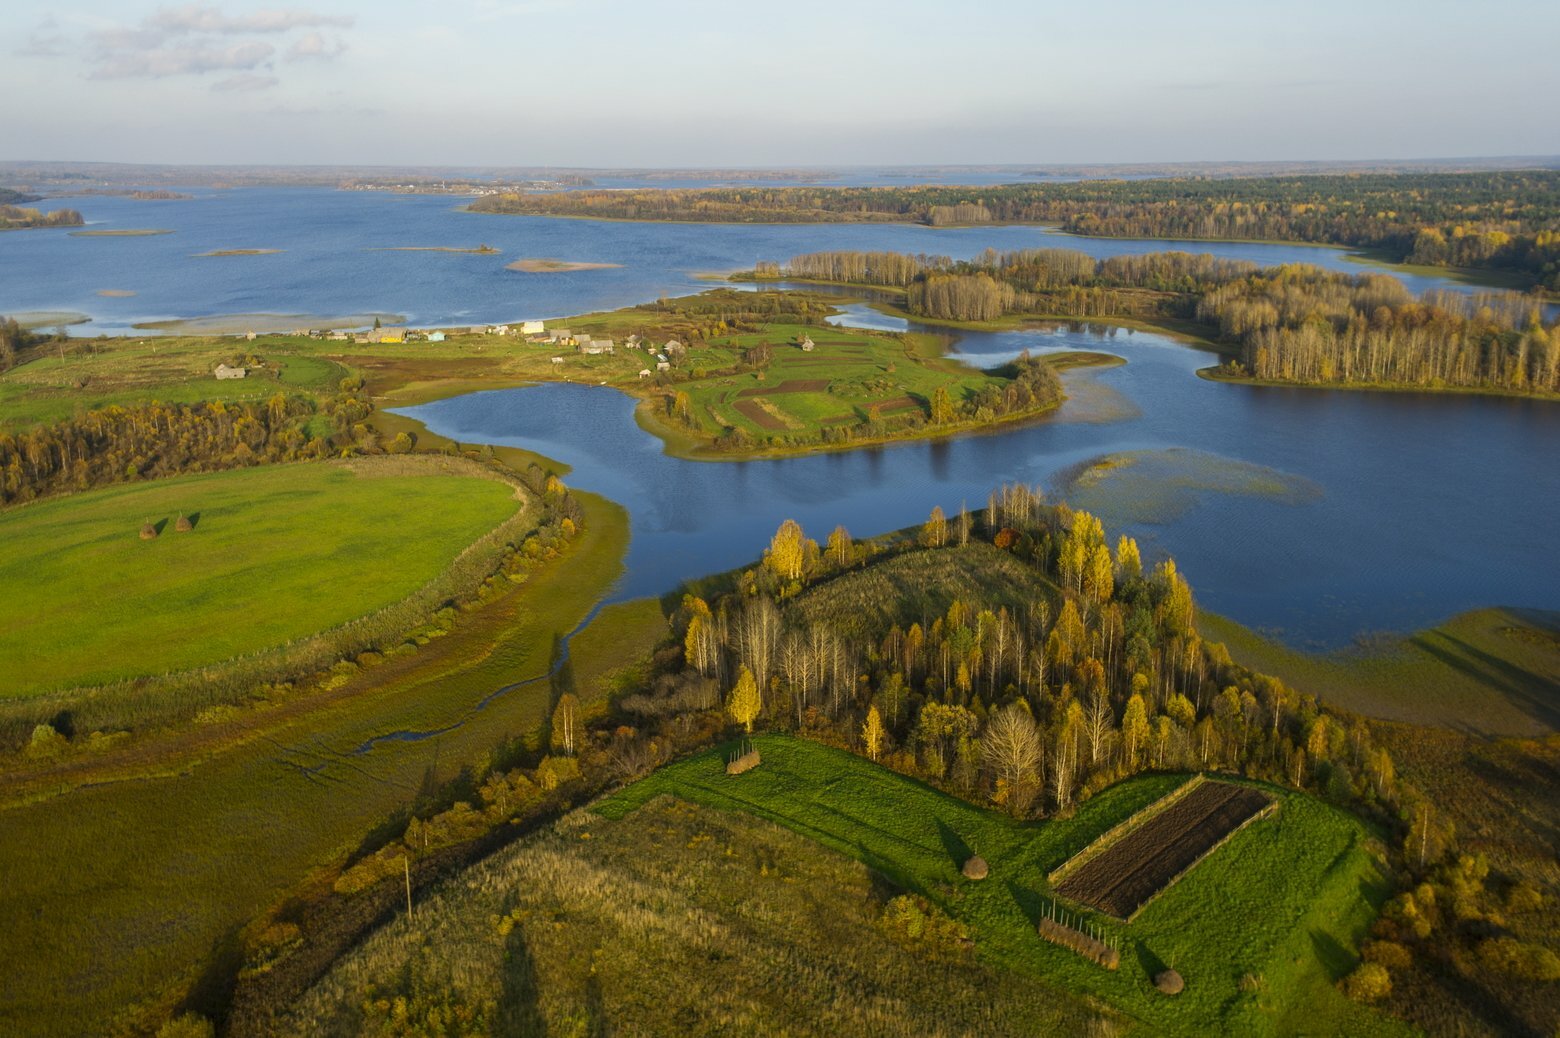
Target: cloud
[
  {"x": 189, "y": 40},
  {"x": 179, "y": 60},
  {"x": 206, "y": 18},
  {"x": 245, "y": 82},
  {"x": 313, "y": 45}
]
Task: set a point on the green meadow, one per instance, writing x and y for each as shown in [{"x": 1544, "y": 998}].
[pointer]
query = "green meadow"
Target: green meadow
[
  {"x": 1261, "y": 930},
  {"x": 276, "y": 553}
]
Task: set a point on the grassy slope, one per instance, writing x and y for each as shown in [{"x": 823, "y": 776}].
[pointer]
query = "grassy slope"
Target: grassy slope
[
  {"x": 1283, "y": 901},
  {"x": 278, "y": 552},
  {"x": 176, "y": 371},
  {"x": 1492, "y": 672},
  {"x": 120, "y": 888},
  {"x": 675, "y": 920}
]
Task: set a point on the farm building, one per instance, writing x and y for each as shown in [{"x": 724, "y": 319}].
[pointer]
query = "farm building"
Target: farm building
[
  {"x": 644, "y": 372},
  {"x": 662, "y": 364},
  {"x": 338, "y": 336},
  {"x": 387, "y": 335},
  {"x": 499, "y": 329},
  {"x": 435, "y": 336},
  {"x": 224, "y": 371},
  {"x": 562, "y": 337},
  {"x": 635, "y": 341},
  {"x": 596, "y": 346},
  {"x": 531, "y": 328},
  {"x": 674, "y": 349},
  {"x": 806, "y": 344}
]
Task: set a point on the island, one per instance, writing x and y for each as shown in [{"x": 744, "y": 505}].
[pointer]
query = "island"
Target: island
[
  {"x": 1498, "y": 224},
  {"x": 554, "y": 266},
  {"x": 16, "y": 218}
]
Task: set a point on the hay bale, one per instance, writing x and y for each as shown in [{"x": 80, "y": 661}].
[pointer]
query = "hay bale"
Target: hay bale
[
  {"x": 183, "y": 525},
  {"x": 148, "y": 532},
  {"x": 745, "y": 763},
  {"x": 1169, "y": 982},
  {"x": 975, "y": 868}
]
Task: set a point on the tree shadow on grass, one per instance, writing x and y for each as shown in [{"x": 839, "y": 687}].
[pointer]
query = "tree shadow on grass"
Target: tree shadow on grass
[
  {"x": 519, "y": 1010},
  {"x": 1334, "y": 957},
  {"x": 1030, "y": 902}
]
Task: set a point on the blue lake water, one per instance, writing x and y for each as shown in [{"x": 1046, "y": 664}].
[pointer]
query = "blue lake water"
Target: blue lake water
[
  {"x": 1413, "y": 507},
  {"x": 327, "y": 266}
]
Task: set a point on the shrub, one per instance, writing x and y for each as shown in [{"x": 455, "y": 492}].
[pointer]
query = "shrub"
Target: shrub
[
  {"x": 1390, "y": 954},
  {"x": 1519, "y": 959},
  {"x": 1370, "y": 983},
  {"x": 189, "y": 1025},
  {"x": 46, "y": 742}
]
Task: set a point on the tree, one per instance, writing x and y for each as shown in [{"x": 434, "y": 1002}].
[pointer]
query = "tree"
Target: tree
[
  {"x": 1010, "y": 746},
  {"x": 565, "y": 723},
  {"x": 935, "y": 533},
  {"x": 787, "y": 551},
  {"x": 1129, "y": 564},
  {"x": 743, "y": 703},
  {"x": 1134, "y": 728},
  {"x": 872, "y": 733},
  {"x": 942, "y": 406},
  {"x": 840, "y": 547}
]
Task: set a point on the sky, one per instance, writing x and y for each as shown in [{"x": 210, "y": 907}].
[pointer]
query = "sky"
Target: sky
[{"x": 698, "y": 83}]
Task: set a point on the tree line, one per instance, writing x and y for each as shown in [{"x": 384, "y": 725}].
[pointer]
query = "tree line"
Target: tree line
[
  {"x": 1502, "y": 220},
  {"x": 115, "y": 443},
  {"x": 1292, "y": 323}
]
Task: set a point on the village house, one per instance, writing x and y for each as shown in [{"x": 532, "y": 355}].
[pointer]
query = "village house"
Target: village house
[
  {"x": 634, "y": 341},
  {"x": 250, "y": 336},
  {"x": 499, "y": 329},
  {"x": 387, "y": 335},
  {"x": 225, "y": 371},
  {"x": 338, "y": 336},
  {"x": 435, "y": 336},
  {"x": 531, "y": 328},
  {"x": 662, "y": 363},
  {"x": 674, "y": 349},
  {"x": 806, "y": 344},
  {"x": 644, "y": 372},
  {"x": 562, "y": 337},
  {"x": 596, "y": 346}
]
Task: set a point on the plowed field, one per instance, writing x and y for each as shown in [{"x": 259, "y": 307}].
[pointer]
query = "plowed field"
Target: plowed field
[{"x": 1124, "y": 876}]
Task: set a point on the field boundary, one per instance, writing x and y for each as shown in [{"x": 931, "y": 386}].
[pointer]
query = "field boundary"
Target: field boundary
[
  {"x": 1111, "y": 836},
  {"x": 1271, "y": 808},
  {"x": 223, "y": 682}
]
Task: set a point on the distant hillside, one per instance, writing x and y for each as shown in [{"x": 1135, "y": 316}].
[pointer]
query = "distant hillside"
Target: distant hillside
[{"x": 10, "y": 196}]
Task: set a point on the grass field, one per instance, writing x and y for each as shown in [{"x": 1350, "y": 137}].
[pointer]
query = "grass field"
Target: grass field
[
  {"x": 1492, "y": 672},
  {"x": 128, "y": 887},
  {"x": 277, "y": 553},
  {"x": 1261, "y": 930},
  {"x": 675, "y": 920}
]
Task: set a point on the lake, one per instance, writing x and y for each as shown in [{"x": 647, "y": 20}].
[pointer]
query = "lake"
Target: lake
[
  {"x": 1316, "y": 516},
  {"x": 327, "y": 264}
]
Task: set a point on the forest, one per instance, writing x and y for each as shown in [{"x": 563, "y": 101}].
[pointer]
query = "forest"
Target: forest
[
  {"x": 1505, "y": 220},
  {"x": 1292, "y": 323},
  {"x": 117, "y": 443}
]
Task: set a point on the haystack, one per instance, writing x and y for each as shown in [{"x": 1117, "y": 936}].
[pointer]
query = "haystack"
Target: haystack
[
  {"x": 183, "y": 525},
  {"x": 1169, "y": 982},
  {"x": 148, "y": 532},
  {"x": 975, "y": 868}
]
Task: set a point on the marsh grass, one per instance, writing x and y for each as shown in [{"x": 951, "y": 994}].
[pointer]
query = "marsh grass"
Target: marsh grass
[
  {"x": 1286, "y": 898},
  {"x": 676, "y": 919}
]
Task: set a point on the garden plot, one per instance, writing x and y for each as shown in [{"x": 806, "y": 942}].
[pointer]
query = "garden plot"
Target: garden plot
[{"x": 1126, "y": 868}]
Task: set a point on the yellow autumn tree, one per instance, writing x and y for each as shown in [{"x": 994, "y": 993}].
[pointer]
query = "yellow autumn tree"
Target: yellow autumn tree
[
  {"x": 787, "y": 551},
  {"x": 872, "y": 733},
  {"x": 743, "y": 704}
]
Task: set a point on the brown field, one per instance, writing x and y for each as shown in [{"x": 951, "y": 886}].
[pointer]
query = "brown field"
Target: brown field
[
  {"x": 753, "y": 410},
  {"x": 895, "y": 405},
  {"x": 793, "y": 385},
  {"x": 1124, "y": 876}
]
